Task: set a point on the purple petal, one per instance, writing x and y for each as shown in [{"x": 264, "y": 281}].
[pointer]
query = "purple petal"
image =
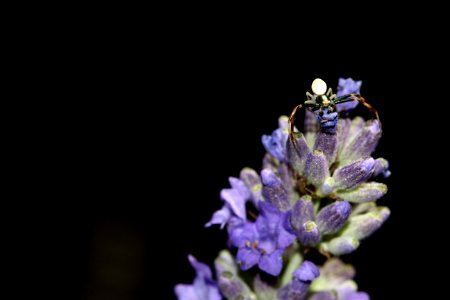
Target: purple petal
[
  {"x": 285, "y": 235},
  {"x": 272, "y": 263},
  {"x": 268, "y": 220},
  {"x": 354, "y": 174},
  {"x": 381, "y": 167},
  {"x": 213, "y": 293},
  {"x": 316, "y": 168},
  {"x": 332, "y": 217},
  {"x": 267, "y": 244},
  {"x": 247, "y": 257},
  {"x": 202, "y": 269},
  {"x": 220, "y": 217},
  {"x": 307, "y": 272},
  {"x": 271, "y": 227},
  {"x": 186, "y": 292},
  {"x": 348, "y": 86},
  {"x": 274, "y": 190},
  {"x": 242, "y": 234},
  {"x": 203, "y": 287},
  {"x": 240, "y": 187},
  {"x": 236, "y": 201},
  {"x": 275, "y": 144}
]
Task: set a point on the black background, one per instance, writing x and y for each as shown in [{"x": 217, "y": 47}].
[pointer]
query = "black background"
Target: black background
[{"x": 147, "y": 154}]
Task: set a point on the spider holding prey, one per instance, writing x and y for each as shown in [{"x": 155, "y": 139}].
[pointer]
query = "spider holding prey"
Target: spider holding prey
[{"x": 322, "y": 103}]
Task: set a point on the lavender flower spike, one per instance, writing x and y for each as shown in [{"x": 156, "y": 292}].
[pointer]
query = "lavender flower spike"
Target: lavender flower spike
[{"x": 314, "y": 194}]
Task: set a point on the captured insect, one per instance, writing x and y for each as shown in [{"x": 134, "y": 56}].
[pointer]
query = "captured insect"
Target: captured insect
[{"x": 323, "y": 102}]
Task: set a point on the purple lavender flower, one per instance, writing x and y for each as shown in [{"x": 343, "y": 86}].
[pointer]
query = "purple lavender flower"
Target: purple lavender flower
[
  {"x": 262, "y": 243},
  {"x": 301, "y": 280},
  {"x": 275, "y": 144},
  {"x": 203, "y": 287},
  {"x": 248, "y": 187},
  {"x": 345, "y": 87}
]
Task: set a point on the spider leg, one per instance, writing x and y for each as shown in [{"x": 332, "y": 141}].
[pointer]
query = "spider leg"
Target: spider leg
[
  {"x": 329, "y": 93},
  {"x": 370, "y": 107},
  {"x": 359, "y": 98},
  {"x": 291, "y": 121},
  {"x": 309, "y": 96}
]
